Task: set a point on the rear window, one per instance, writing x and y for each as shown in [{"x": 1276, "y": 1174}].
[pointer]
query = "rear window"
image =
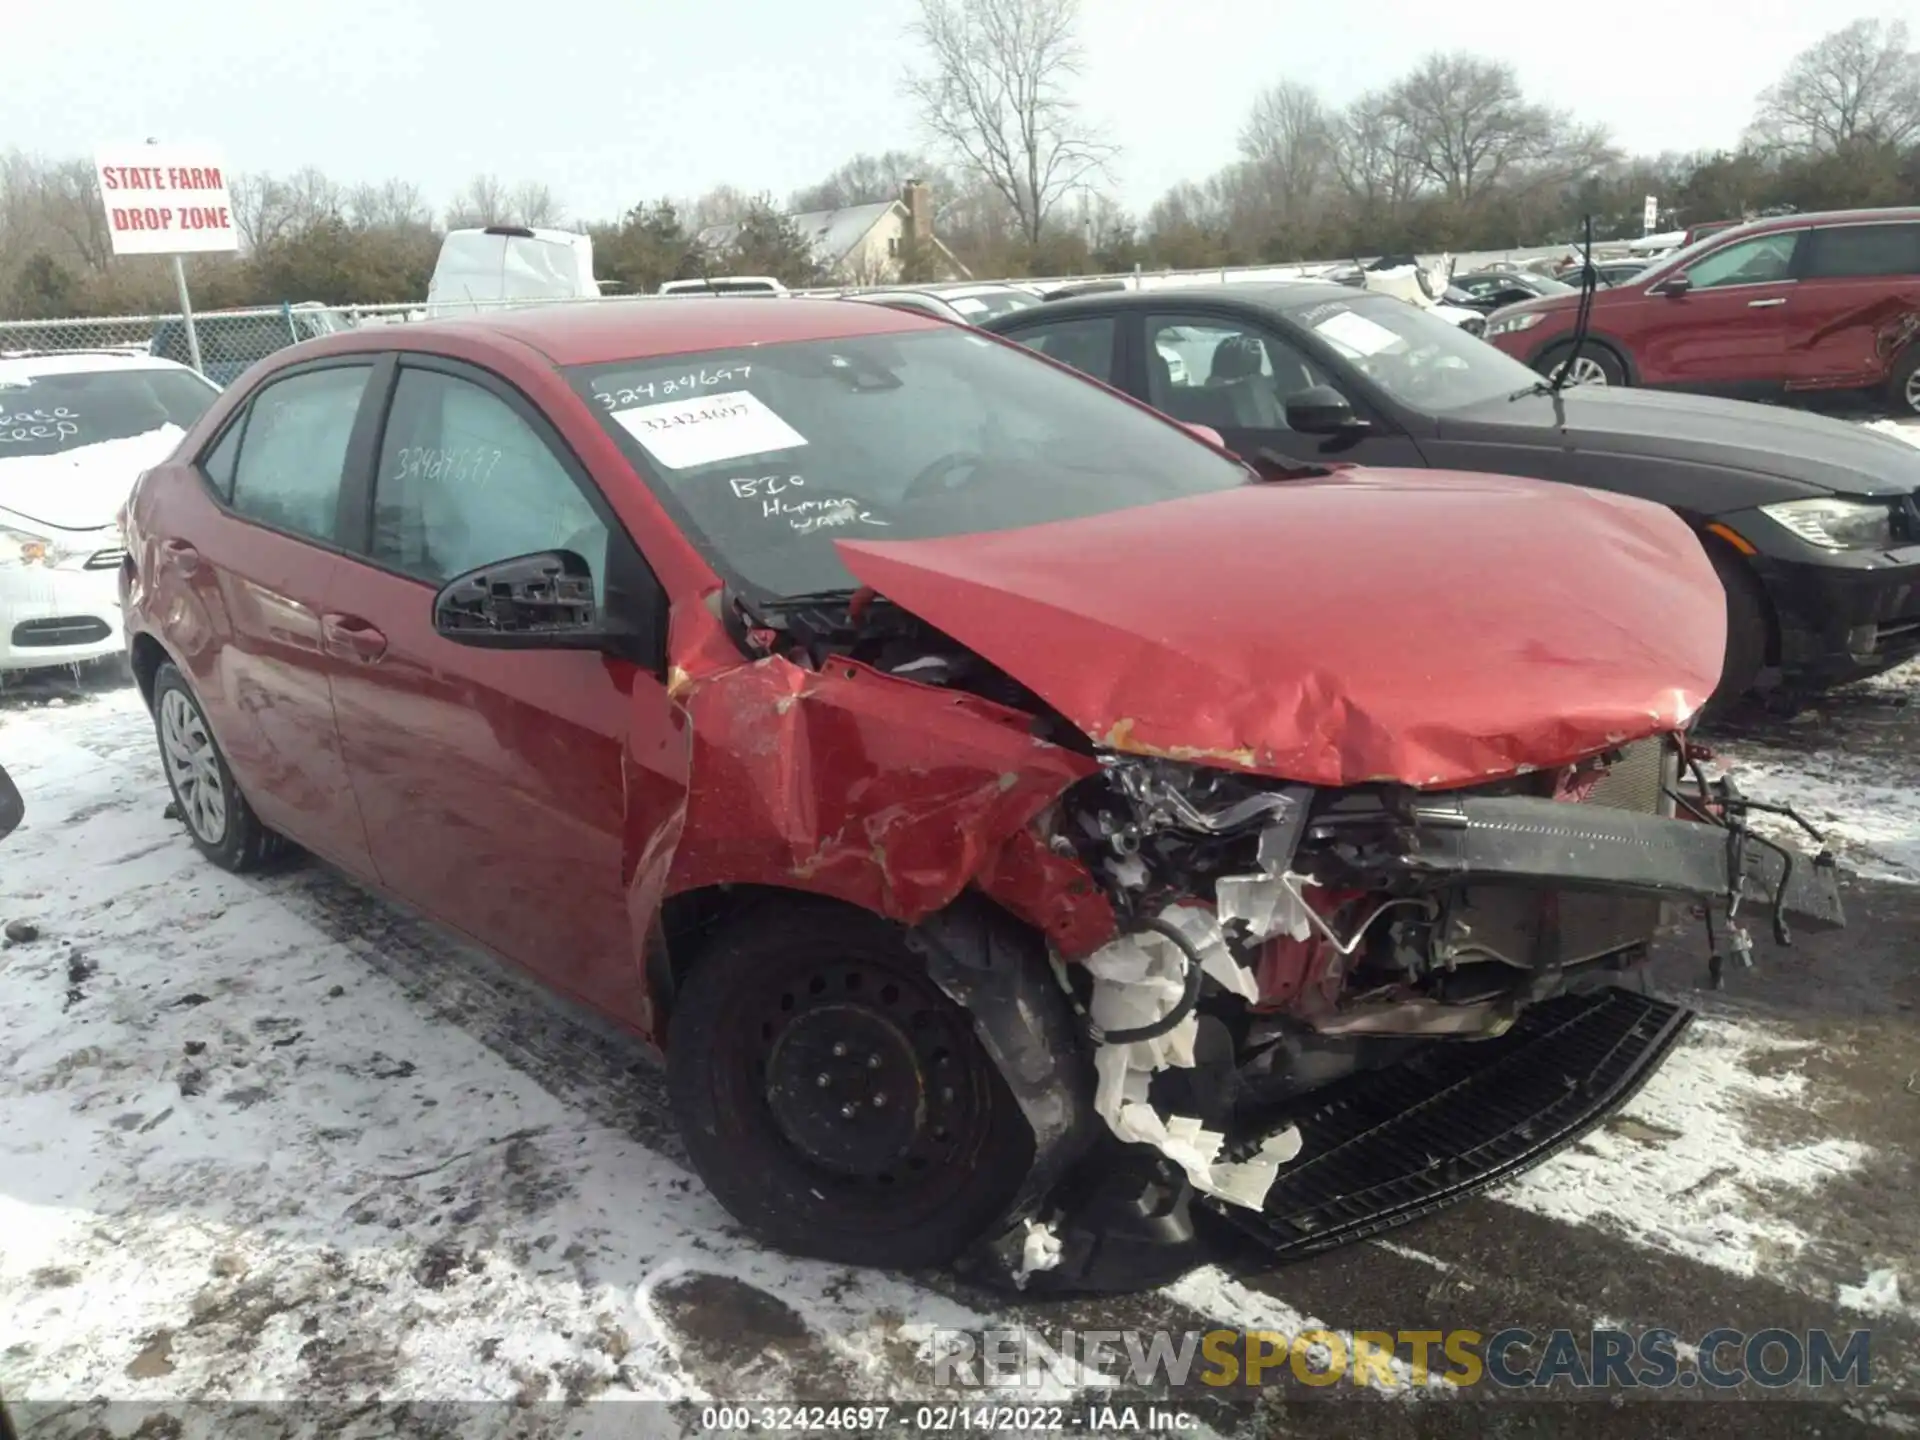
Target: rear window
[
  {"x": 54, "y": 414},
  {"x": 1845, "y": 252},
  {"x": 769, "y": 454}
]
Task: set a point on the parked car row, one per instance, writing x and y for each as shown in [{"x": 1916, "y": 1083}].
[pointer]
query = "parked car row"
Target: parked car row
[
  {"x": 1010, "y": 781},
  {"x": 1811, "y": 523}
]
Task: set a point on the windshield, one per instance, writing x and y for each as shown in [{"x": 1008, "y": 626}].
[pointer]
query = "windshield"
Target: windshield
[
  {"x": 53, "y": 414},
  {"x": 768, "y": 454},
  {"x": 1416, "y": 358}
]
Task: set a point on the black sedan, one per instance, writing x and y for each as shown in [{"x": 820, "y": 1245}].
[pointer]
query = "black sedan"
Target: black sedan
[
  {"x": 1489, "y": 290},
  {"x": 1813, "y": 524}
]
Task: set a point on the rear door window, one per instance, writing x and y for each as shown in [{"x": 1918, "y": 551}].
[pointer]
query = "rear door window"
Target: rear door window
[
  {"x": 1852, "y": 252},
  {"x": 1085, "y": 344},
  {"x": 294, "y": 450}
]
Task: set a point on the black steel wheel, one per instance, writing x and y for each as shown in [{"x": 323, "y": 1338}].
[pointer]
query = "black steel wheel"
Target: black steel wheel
[{"x": 834, "y": 1099}]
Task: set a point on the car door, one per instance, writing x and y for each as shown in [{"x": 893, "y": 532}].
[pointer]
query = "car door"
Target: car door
[
  {"x": 1726, "y": 331},
  {"x": 529, "y": 797},
  {"x": 1852, "y": 308},
  {"x": 1236, "y": 375},
  {"x": 249, "y": 574}
]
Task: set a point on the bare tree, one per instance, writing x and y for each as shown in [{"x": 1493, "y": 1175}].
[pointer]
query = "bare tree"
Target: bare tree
[
  {"x": 1288, "y": 144},
  {"x": 869, "y": 179},
  {"x": 1373, "y": 157},
  {"x": 1465, "y": 125},
  {"x": 1861, "y": 83},
  {"x": 722, "y": 205},
  {"x": 388, "y": 205},
  {"x": 532, "y": 203},
  {"x": 483, "y": 202},
  {"x": 997, "y": 96}
]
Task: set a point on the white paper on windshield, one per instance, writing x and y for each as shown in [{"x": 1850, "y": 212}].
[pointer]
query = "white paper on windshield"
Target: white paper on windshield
[
  {"x": 967, "y": 305},
  {"x": 1357, "y": 333},
  {"x": 682, "y": 434}
]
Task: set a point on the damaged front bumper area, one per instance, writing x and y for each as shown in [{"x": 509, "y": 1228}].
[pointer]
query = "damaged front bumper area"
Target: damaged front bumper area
[{"x": 1332, "y": 1012}]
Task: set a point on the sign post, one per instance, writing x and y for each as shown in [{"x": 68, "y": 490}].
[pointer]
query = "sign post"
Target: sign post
[
  {"x": 167, "y": 200},
  {"x": 1651, "y": 216}
]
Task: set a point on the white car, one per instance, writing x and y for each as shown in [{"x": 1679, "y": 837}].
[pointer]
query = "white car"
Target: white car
[{"x": 76, "y": 430}]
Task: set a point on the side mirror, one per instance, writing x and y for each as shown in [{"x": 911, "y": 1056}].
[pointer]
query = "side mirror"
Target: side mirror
[
  {"x": 1206, "y": 433},
  {"x": 1677, "y": 284},
  {"x": 531, "y": 602},
  {"x": 12, "y": 807},
  {"x": 1322, "y": 410}
]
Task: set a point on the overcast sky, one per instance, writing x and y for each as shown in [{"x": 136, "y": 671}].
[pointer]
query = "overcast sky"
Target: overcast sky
[{"x": 613, "y": 103}]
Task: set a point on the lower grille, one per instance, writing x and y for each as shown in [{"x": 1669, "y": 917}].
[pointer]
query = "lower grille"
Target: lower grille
[
  {"x": 62, "y": 630},
  {"x": 105, "y": 559},
  {"x": 1388, "y": 1147}
]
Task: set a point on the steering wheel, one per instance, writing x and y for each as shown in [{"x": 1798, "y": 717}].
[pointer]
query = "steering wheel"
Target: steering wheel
[{"x": 935, "y": 478}]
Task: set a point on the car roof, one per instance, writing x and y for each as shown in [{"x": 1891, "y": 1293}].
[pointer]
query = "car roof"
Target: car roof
[
  {"x": 82, "y": 362},
  {"x": 1890, "y": 216},
  {"x": 596, "y": 332},
  {"x": 1272, "y": 296}
]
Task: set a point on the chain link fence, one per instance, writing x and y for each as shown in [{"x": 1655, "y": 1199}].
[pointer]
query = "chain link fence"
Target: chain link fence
[{"x": 230, "y": 341}]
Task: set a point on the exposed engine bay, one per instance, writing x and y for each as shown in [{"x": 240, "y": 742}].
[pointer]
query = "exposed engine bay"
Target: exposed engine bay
[{"x": 1277, "y": 942}]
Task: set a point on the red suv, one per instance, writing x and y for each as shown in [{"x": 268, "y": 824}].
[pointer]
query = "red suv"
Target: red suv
[{"x": 1790, "y": 303}]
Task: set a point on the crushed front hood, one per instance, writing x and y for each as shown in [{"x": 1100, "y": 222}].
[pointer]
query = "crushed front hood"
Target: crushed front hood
[{"x": 1426, "y": 627}]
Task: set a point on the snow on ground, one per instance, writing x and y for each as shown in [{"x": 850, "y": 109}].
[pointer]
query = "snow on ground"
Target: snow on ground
[
  {"x": 1867, "y": 803},
  {"x": 237, "y": 1159},
  {"x": 1681, "y": 1169}
]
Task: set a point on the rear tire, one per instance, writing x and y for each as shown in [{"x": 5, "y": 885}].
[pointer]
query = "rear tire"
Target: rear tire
[
  {"x": 1903, "y": 384},
  {"x": 1749, "y": 629},
  {"x": 217, "y": 816},
  {"x": 834, "y": 1099},
  {"x": 1596, "y": 361}
]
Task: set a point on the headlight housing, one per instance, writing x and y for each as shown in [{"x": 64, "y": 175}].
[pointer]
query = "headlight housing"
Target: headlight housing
[
  {"x": 1836, "y": 524},
  {"x": 1514, "y": 324},
  {"x": 26, "y": 547}
]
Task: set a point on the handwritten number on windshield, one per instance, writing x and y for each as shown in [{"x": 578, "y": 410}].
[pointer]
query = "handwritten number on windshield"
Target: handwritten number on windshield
[{"x": 628, "y": 395}]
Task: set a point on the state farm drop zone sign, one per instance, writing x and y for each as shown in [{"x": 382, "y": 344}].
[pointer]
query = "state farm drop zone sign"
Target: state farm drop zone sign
[{"x": 165, "y": 200}]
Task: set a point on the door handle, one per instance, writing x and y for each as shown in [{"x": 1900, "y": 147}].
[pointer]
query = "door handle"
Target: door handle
[
  {"x": 185, "y": 558},
  {"x": 1763, "y": 304},
  {"x": 351, "y": 638}
]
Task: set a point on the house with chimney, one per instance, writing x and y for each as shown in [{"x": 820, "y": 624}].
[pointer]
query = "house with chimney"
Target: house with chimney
[{"x": 865, "y": 244}]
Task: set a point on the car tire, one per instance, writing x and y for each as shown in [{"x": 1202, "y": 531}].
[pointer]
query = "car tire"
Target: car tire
[
  {"x": 1606, "y": 365},
  {"x": 833, "y": 1098},
  {"x": 1903, "y": 382},
  {"x": 1749, "y": 629},
  {"x": 218, "y": 818}
]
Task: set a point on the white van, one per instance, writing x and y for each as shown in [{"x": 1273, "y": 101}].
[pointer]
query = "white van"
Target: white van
[{"x": 503, "y": 263}]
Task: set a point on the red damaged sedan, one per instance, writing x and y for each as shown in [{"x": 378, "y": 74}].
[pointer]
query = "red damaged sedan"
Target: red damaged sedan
[{"x": 1035, "y": 842}]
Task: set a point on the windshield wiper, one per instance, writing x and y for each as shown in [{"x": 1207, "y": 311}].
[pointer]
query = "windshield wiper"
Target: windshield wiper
[{"x": 1583, "y": 316}]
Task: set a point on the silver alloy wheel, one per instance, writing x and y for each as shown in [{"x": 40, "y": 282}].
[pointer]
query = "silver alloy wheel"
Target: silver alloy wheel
[
  {"x": 1586, "y": 371},
  {"x": 193, "y": 768},
  {"x": 1911, "y": 392}
]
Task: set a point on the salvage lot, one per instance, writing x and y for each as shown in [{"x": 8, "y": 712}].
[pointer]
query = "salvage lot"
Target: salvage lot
[{"x": 272, "y": 1137}]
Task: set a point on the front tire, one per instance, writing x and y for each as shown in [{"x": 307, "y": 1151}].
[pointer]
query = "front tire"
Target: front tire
[
  {"x": 1595, "y": 365},
  {"x": 217, "y": 816},
  {"x": 834, "y": 1099},
  {"x": 1748, "y": 629}
]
